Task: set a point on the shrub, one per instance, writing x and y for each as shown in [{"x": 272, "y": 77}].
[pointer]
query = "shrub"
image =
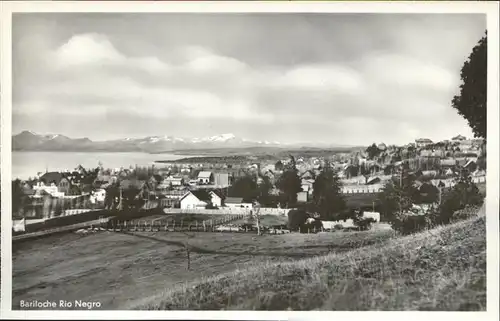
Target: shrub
[
  {"x": 338, "y": 227},
  {"x": 315, "y": 225},
  {"x": 364, "y": 223},
  {"x": 468, "y": 212},
  {"x": 408, "y": 223},
  {"x": 296, "y": 219},
  {"x": 464, "y": 194}
]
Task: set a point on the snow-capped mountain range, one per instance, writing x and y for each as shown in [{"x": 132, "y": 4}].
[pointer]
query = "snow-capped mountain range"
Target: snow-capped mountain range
[{"x": 28, "y": 140}]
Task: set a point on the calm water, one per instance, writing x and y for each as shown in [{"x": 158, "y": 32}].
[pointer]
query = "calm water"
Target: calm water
[{"x": 27, "y": 164}]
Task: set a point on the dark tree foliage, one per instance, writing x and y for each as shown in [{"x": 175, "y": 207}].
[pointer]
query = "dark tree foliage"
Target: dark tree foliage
[
  {"x": 289, "y": 183},
  {"x": 297, "y": 219},
  {"x": 17, "y": 196},
  {"x": 245, "y": 186},
  {"x": 464, "y": 193},
  {"x": 397, "y": 196},
  {"x": 263, "y": 192},
  {"x": 471, "y": 102},
  {"x": 112, "y": 192},
  {"x": 314, "y": 226},
  {"x": 327, "y": 196},
  {"x": 372, "y": 151},
  {"x": 279, "y": 166}
]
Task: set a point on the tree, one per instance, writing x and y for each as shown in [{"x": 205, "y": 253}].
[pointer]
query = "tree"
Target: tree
[
  {"x": 327, "y": 196},
  {"x": 245, "y": 186},
  {"x": 278, "y": 166},
  {"x": 464, "y": 193},
  {"x": 112, "y": 192},
  {"x": 263, "y": 191},
  {"x": 17, "y": 196},
  {"x": 296, "y": 219},
  {"x": 471, "y": 102},
  {"x": 397, "y": 196},
  {"x": 289, "y": 183},
  {"x": 372, "y": 151},
  {"x": 131, "y": 198}
]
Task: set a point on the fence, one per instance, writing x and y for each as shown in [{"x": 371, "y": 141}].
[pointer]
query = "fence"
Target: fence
[
  {"x": 229, "y": 211},
  {"x": 156, "y": 225},
  {"x": 77, "y": 211},
  {"x": 362, "y": 191},
  {"x": 68, "y": 228}
]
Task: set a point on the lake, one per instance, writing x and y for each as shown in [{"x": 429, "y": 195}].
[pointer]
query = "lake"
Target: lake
[{"x": 28, "y": 164}]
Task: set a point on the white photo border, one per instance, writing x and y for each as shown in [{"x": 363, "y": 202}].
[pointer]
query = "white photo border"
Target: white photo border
[{"x": 490, "y": 9}]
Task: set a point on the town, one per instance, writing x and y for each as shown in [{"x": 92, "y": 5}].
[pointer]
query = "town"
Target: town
[{"x": 217, "y": 184}]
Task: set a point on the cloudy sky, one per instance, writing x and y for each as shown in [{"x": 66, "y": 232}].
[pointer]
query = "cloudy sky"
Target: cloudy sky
[{"x": 336, "y": 78}]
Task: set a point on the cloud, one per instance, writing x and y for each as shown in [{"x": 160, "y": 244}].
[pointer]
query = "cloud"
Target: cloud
[
  {"x": 393, "y": 89},
  {"x": 94, "y": 50}
]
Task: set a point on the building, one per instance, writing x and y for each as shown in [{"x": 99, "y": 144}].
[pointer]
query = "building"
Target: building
[
  {"x": 98, "y": 196},
  {"x": 458, "y": 138},
  {"x": 200, "y": 199},
  {"x": 471, "y": 165},
  {"x": 54, "y": 183},
  {"x": 448, "y": 163},
  {"x": 174, "y": 181},
  {"x": 216, "y": 199},
  {"x": 422, "y": 142},
  {"x": 205, "y": 178},
  {"x": 373, "y": 180},
  {"x": 382, "y": 146},
  {"x": 307, "y": 185},
  {"x": 154, "y": 181},
  {"x": 302, "y": 197},
  {"x": 221, "y": 180},
  {"x": 237, "y": 202}
]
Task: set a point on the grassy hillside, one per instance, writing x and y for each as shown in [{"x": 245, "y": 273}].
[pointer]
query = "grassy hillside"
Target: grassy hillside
[
  {"x": 440, "y": 269},
  {"x": 119, "y": 270}
]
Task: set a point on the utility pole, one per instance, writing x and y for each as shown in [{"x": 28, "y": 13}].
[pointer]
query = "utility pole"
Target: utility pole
[
  {"x": 120, "y": 204},
  {"x": 257, "y": 216},
  {"x": 401, "y": 191}
]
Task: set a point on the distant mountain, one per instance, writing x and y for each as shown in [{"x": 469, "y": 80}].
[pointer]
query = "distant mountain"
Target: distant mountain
[{"x": 30, "y": 141}]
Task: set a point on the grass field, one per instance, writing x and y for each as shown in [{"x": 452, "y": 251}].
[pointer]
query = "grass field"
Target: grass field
[
  {"x": 121, "y": 270},
  {"x": 440, "y": 269}
]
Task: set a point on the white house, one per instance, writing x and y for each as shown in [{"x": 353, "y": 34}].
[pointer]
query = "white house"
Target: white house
[
  {"x": 421, "y": 142},
  {"x": 458, "y": 138},
  {"x": 200, "y": 199},
  {"x": 215, "y": 199},
  {"x": 302, "y": 197},
  {"x": 191, "y": 201},
  {"x": 98, "y": 196},
  {"x": 205, "y": 177},
  {"x": 237, "y": 202},
  {"x": 175, "y": 181}
]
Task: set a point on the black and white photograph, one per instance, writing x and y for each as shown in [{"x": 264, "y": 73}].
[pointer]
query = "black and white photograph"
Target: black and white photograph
[{"x": 254, "y": 161}]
